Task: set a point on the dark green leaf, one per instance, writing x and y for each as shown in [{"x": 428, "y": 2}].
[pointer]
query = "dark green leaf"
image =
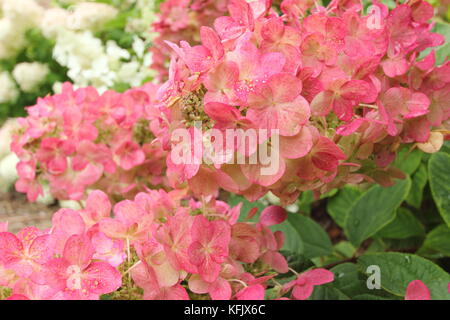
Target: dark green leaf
[
  {"x": 419, "y": 180},
  {"x": 439, "y": 175},
  {"x": 339, "y": 205},
  {"x": 404, "y": 225},
  {"x": 374, "y": 210},
  {"x": 399, "y": 269}
]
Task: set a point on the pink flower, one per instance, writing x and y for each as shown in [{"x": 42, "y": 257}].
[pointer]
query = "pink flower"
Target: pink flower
[
  {"x": 322, "y": 160},
  {"x": 220, "y": 289},
  {"x": 53, "y": 154},
  {"x": 26, "y": 252},
  {"x": 209, "y": 248},
  {"x": 417, "y": 290},
  {"x": 278, "y": 104},
  {"x": 158, "y": 271},
  {"x": 77, "y": 276},
  {"x": 342, "y": 98},
  {"x": 130, "y": 155},
  {"x": 97, "y": 208},
  {"x": 145, "y": 278},
  {"x": 240, "y": 20},
  {"x": 252, "y": 292},
  {"x": 303, "y": 286},
  {"x": 175, "y": 236},
  {"x": 131, "y": 220}
]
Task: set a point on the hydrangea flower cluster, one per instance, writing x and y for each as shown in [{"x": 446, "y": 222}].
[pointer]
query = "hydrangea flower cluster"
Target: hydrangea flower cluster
[
  {"x": 158, "y": 246},
  {"x": 343, "y": 89},
  {"x": 181, "y": 20},
  {"x": 80, "y": 140}
]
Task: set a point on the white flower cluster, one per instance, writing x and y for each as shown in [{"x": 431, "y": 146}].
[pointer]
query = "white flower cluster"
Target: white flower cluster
[
  {"x": 29, "y": 75},
  {"x": 88, "y": 59},
  {"x": 17, "y": 17},
  {"x": 90, "y": 62},
  {"x": 8, "y": 159},
  {"x": 8, "y": 88}
]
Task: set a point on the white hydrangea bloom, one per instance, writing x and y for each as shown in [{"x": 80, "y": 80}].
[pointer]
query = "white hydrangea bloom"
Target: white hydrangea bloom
[
  {"x": 8, "y": 159},
  {"x": 8, "y": 173},
  {"x": 92, "y": 63},
  {"x": 84, "y": 56},
  {"x": 90, "y": 15},
  {"x": 29, "y": 75},
  {"x": 53, "y": 21},
  {"x": 12, "y": 39},
  {"x": 24, "y": 13},
  {"x": 8, "y": 88}
]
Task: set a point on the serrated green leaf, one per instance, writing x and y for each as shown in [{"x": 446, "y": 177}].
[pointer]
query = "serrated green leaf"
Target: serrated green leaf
[
  {"x": 339, "y": 205},
  {"x": 437, "y": 240},
  {"x": 443, "y": 51},
  {"x": 292, "y": 240},
  {"x": 419, "y": 180},
  {"x": 348, "y": 279},
  {"x": 404, "y": 225},
  {"x": 327, "y": 292},
  {"x": 374, "y": 210},
  {"x": 408, "y": 161},
  {"x": 316, "y": 242},
  {"x": 439, "y": 176},
  {"x": 368, "y": 296},
  {"x": 399, "y": 269}
]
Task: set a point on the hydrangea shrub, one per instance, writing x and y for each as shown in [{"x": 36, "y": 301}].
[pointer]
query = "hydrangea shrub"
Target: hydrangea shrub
[{"x": 352, "y": 100}]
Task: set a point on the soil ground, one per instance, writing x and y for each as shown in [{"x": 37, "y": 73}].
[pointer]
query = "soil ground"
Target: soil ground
[{"x": 19, "y": 213}]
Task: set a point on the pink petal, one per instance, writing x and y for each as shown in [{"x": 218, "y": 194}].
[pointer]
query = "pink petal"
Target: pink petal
[
  {"x": 211, "y": 41},
  {"x": 10, "y": 248},
  {"x": 223, "y": 113},
  {"x": 273, "y": 215},
  {"x": 318, "y": 276},
  {"x": 101, "y": 278},
  {"x": 302, "y": 292},
  {"x": 417, "y": 290},
  {"x": 254, "y": 292},
  {"x": 220, "y": 289},
  {"x": 198, "y": 285},
  {"x": 113, "y": 228},
  {"x": 98, "y": 204},
  {"x": 293, "y": 147},
  {"x": 285, "y": 87},
  {"x": 322, "y": 103},
  {"x": 78, "y": 251}
]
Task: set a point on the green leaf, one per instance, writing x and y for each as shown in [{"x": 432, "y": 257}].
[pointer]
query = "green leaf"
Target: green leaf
[
  {"x": 404, "y": 225},
  {"x": 399, "y": 269},
  {"x": 339, "y": 205},
  {"x": 234, "y": 200},
  {"x": 419, "y": 180},
  {"x": 293, "y": 242},
  {"x": 439, "y": 175},
  {"x": 408, "y": 161},
  {"x": 374, "y": 210},
  {"x": 328, "y": 292},
  {"x": 437, "y": 240},
  {"x": 316, "y": 242},
  {"x": 304, "y": 201},
  {"x": 368, "y": 296},
  {"x": 349, "y": 280},
  {"x": 443, "y": 51},
  {"x": 345, "y": 248}
]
